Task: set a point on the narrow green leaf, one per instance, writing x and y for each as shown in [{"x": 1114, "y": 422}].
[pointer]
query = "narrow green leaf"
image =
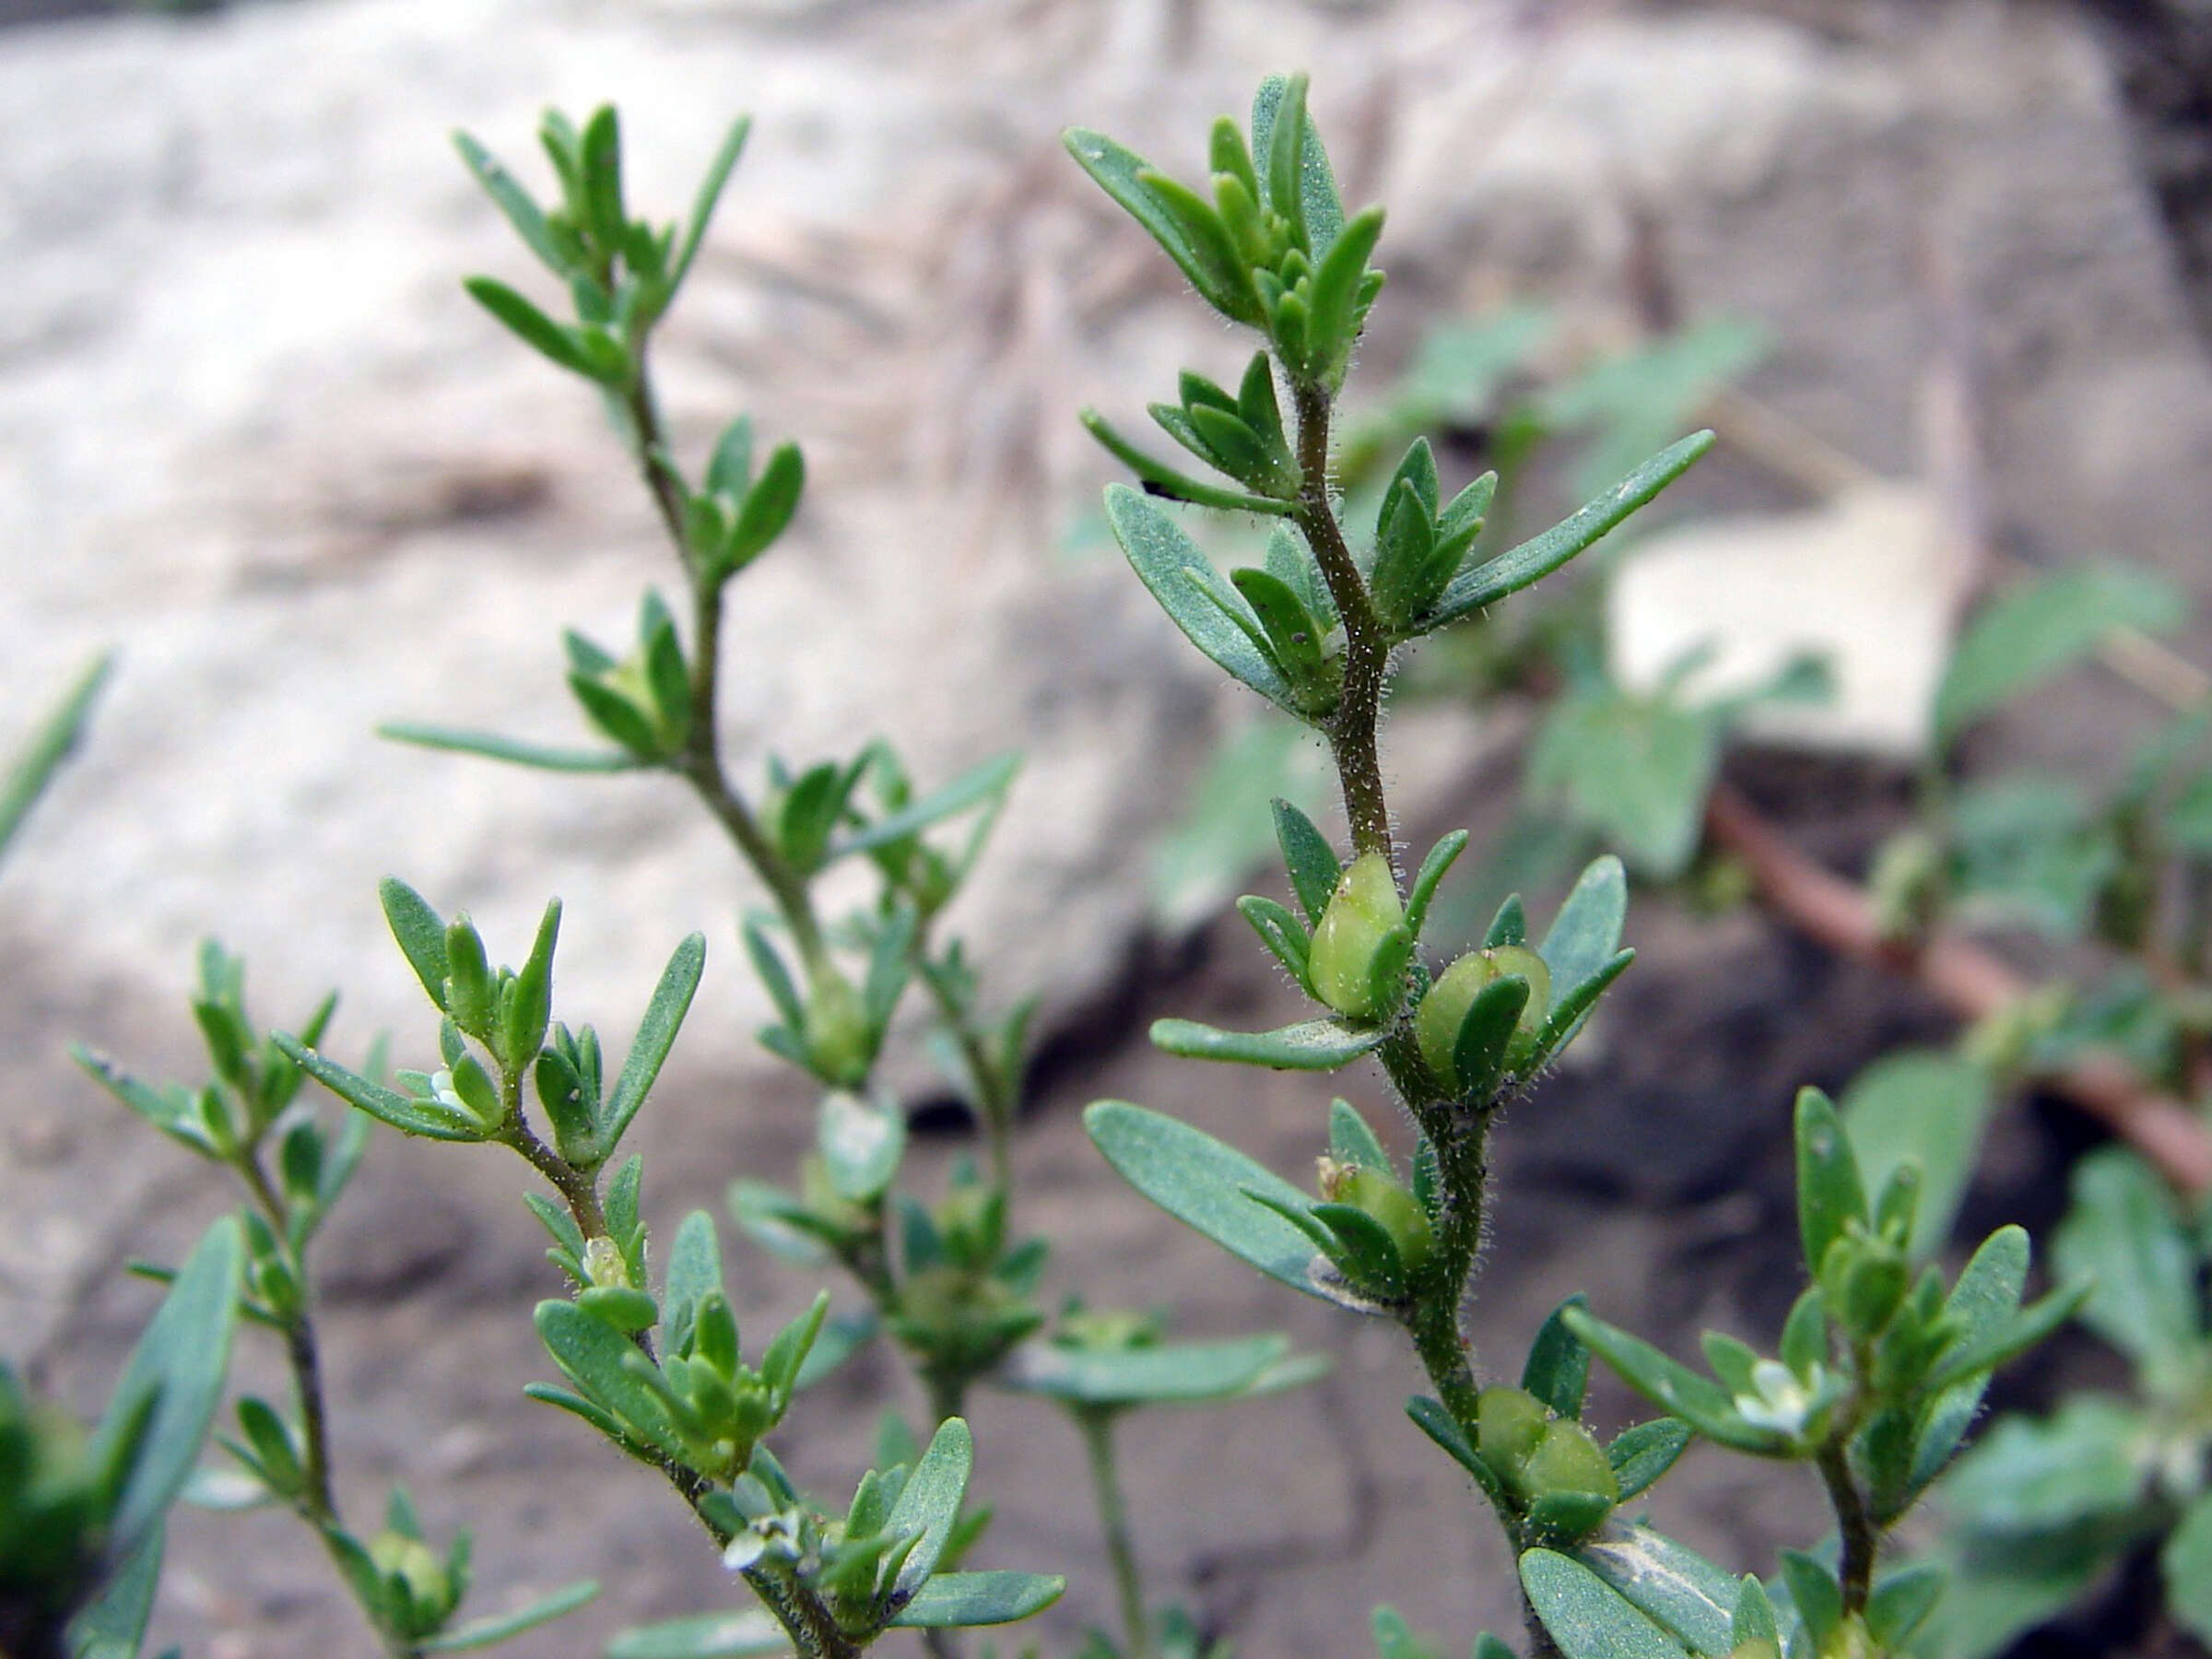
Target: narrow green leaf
[
  {"x": 1162, "y": 479},
  {"x": 1338, "y": 303},
  {"x": 1202, "y": 1183},
  {"x": 656, "y": 1035},
  {"x": 1430, "y": 1418},
  {"x": 386, "y": 1105},
  {"x": 953, "y": 1599},
  {"x": 52, "y": 743},
  {"x": 1685, "y": 1594},
  {"x": 862, "y": 1142},
  {"x": 1533, "y": 559},
  {"x": 2186, "y": 1560},
  {"x": 930, "y": 1501},
  {"x": 980, "y": 785},
  {"x": 420, "y": 932},
  {"x": 1928, "y": 1107},
  {"x": 1312, "y": 863},
  {"x": 1640, "y": 1456},
  {"x": 1830, "y": 1193},
  {"x": 740, "y": 1635},
  {"x": 1585, "y": 935},
  {"x": 1320, "y": 209},
  {"x": 1296, "y": 636},
  {"x": 590, "y": 1353},
  {"x": 516, "y": 751},
  {"x": 1310, "y": 1045},
  {"x": 1674, "y": 1387},
  {"x": 1902, "y": 1602},
  {"x": 2122, "y": 1230},
  {"x": 1426, "y": 879},
  {"x": 532, "y": 326},
  {"x": 1166, "y": 562},
  {"x": 496, "y": 1628},
  {"x": 112, "y": 1623},
  {"x": 768, "y": 506},
  {"x": 1510, "y": 926},
  {"x": 2043, "y": 628},
  {"x": 170, "y": 1386},
  {"x": 694, "y": 1274},
  {"x": 1817, "y": 1595},
  {"x": 2031, "y": 1325},
  {"x": 1351, "y": 1141},
  {"x": 1585, "y": 1616},
  {"x": 1281, "y": 932},
  {"x": 618, "y": 717},
  {"x": 1163, "y": 1373},
  {"x": 710, "y": 192},
  {"x": 1122, "y": 175},
  {"x": 1485, "y": 1029},
  {"x": 1558, "y": 1371},
  {"x": 513, "y": 202}
]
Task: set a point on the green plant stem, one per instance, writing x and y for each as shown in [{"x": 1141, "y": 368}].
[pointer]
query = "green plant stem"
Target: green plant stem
[
  {"x": 315, "y": 1503},
  {"x": 1855, "y": 1526},
  {"x": 813, "y": 1630},
  {"x": 1351, "y": 729},
  {"x": 700, "y": 763},
  {"x": 1097, "y": 1425},
  {"x": 997, "y": 1094},
  {"x": 1434, "y": 1314}
]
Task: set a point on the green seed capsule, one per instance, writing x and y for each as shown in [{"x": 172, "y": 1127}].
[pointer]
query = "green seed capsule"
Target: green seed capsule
[
  {"x": 1436, "y": 1024},
  {"x": 1400, "y": 1214},
  {"x": 1568, "y": 1460},
  {"x": 837, "y": 1039},
  {"x": 1362, "y": 915},
  {"x": 1509, "y": 1426}
]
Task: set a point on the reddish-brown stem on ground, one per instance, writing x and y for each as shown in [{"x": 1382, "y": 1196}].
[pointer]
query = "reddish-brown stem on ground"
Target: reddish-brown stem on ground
[{"x": 1967, "y": 979}]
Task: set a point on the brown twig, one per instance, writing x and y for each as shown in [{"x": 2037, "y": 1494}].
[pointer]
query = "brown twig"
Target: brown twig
[{"x": 1967, "y": 979}]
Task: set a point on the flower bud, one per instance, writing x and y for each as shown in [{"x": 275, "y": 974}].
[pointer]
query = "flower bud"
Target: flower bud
[
  {"x": 1436, "y": 1024},
  {"x": 1382, "y": 1197},
  {"x": 838, "y": 1039},
  {"x": 410, "y": 1565},
  {"x": 1362, "y": 914}
]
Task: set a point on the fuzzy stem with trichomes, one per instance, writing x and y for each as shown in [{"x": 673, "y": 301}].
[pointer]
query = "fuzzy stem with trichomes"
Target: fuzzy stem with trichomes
[{"x": 1435, "y": 1308}]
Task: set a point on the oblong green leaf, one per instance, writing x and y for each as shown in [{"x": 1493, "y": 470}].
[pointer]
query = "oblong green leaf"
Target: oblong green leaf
[
  {"x": 1120, "y": 174},
  {"x": 953, "y": 1599},
  {"x": 2121, "y": 1229},
  {"x": 1169, "y": 481},
  {"x": 1202, "y": 1183},
  {"x": 2186, "y": 1560},
  {"x": 1558, "y": 1370},
  {"x": 532, "y": 326},
  {"x": 1430, "y": 1418},
  {"x": 1641, "y": 1454},
  {"x": 930, "y": 1501},
  {"x": 2044, "y": 627},
  {"x": 1585, "y": 935},
  {"x": 112, "y": 1622},
  {"x": 1166, "y": 561},
  {"x": 709, "y": 194},
  {"x": 495, "y": 1628},
  {"x": 663, "y": 1019},
  {"x": 51, "y": 742},
  {"x": 1313, "y": 866},
  {"x": 420, "y": 932},
  {"x": 979, "y": 785},
  {"x": 517, "y": 751},
  {"x": 1587, "y": 1617},
  {"x": 1310, "y": 1045},
  {"x": 1685, "y": 1594},
  {"x": 739, "y": 1635},
  {"x": 1533, "y": 559},
  {"x": 1163, "y": 1373},
  {"x": 172, "y": 1385},
  {"x": 1830, "y": 1193}
]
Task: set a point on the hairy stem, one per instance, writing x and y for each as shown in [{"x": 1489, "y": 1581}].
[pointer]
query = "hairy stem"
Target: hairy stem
[
  {"x": 1856, "y": 1525},
  {"x": 1351, "y": 729},
  {"x": 1114, "y": 1521}
]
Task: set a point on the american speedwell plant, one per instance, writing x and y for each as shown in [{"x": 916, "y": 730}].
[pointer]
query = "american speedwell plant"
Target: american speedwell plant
[{"x": 1878, "y": 1372}]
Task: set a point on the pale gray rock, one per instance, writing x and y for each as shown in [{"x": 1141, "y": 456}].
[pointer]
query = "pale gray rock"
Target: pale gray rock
[{"x": 252, "y": 434}]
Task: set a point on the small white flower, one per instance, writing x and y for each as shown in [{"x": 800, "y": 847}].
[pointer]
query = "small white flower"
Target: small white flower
[{"x": 1782, "y": 1403}]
